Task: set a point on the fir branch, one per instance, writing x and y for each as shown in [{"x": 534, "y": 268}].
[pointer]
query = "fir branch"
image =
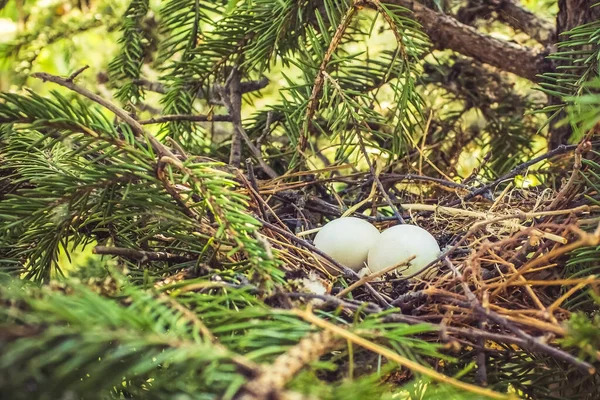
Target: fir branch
[
  {"x": 135, "y": 126},
  {"x": 320, "y": 78},
  {"x": 126, "y": 66},
  {"x": 275, "y": 377}
]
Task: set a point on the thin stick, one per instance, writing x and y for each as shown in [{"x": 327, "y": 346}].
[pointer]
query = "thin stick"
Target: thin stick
[
  {"x": 142, "y": 256},
  {"x": 137, "y": 129},
  {"x": 395, "y": 357},
  {"x": 586, "y": 240},
  {"x": 569, "y": 293},
  {"x": 254, "y": 184},
  {"x": 557, "y": 282},
  {"x": 311, "y": 108},
  {"x": 182, "y": 117},
  {"x": 514, "y": 172},
  {"x": 232, "y": 97},
  {"x": 376, "y": 179},
  {"x": 534, "y": 343}
]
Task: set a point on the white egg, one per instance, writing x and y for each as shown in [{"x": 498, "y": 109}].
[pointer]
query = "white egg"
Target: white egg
[
  {"x": 400, "y": 242},
  {"x": 347, "y": 240}
]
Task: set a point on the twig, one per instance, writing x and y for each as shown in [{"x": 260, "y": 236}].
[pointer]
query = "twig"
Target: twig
[
  {"x": 135, "y": 126},
  {"x": 246, "y": 87},
  {"x": 533, "y": 343},
  {"x": 142, "y": 256},
  {"x": 311, "y": 108},
  {"x": 254, "y": 185},
  {"x": 182, "y": 117},
  {"x": 232, "y": 97},
  {"x": 583, "y": 146},
  {"x": 423, "y": 178},
  {"x": 481, "y": 375},
  {"x": 585, "y": 240},
  {"x": 395, "y": 357},
  {"x": 509, "y": 224},
  {"x": 77, "y": 73},
  {"x": 267, "y": 129},
  {"x": 352, "y": 305},
  {"x": 177, "y": 146},
  {"x": 514, "y": 172},
  {"x": 376, "y": 179},
  {"x": 172, "y": 190}
]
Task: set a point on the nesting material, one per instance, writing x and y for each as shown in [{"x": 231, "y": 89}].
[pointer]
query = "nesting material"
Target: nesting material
[
  {"x": 347, "y": 240},
  {"x": 400, "y": 242}
]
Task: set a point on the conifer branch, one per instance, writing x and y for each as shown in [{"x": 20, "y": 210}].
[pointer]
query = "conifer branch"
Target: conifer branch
[
  {"x": 213, "y": 95},
  {"x": 311, "y": 108},
  {"x": 274, "y": 377},
  {"x": 137, "y": 129}
]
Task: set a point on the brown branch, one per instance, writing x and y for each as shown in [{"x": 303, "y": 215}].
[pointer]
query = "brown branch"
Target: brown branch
[
  {"x": 245, "y": 87},
  {"x": 232, "y": 98},
  {"x": 448, "y": 33},
  {"x": 142, "y": 256},
  {"x": 183, "y": 117},
  {"x": 137, "y": 129},
  {"x": 513, "y": 14}
]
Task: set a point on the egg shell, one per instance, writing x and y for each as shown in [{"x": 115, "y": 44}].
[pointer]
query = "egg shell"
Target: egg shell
[
  {"x": 347, "y": 240},
  {"x": 400, "y": 242}
]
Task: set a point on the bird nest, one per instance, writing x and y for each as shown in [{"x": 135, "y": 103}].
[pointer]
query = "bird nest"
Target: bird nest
[{"x": 501, "y": 281}]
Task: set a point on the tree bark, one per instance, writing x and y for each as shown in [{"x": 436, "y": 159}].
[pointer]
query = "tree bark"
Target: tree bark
[{"x": 448, "y": 33}]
